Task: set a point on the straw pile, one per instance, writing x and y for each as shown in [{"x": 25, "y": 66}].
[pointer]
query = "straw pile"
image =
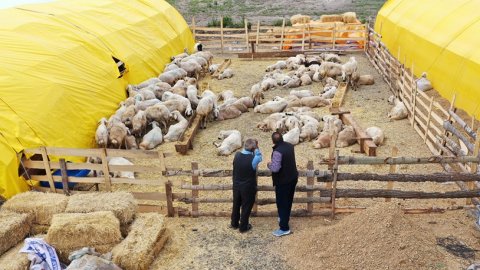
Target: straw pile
[
  {"x": 13, "y": 229},
  {"x": 331, "y": 18},
  {"x": 70, "y": 232},
  {"x": 145, "y": 240},
  {"x": 299, "y": 18},
  {"x": 14, "y": 260},
  {"x": 349, "y": 17},
  {"x": 42, "y": 205},
  {"x": 122, "y": 204},
  {"x": 360, "y": 239},
  {"x": 39, "y": 229}
]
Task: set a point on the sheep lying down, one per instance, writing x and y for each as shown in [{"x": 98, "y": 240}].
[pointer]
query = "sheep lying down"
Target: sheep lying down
[{"x": 232, "y": 140}]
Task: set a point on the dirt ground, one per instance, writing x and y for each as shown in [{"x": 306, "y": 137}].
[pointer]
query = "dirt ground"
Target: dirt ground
[{"x": 208, "y": 243}]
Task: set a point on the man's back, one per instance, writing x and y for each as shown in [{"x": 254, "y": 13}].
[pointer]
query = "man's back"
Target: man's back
[
  {"x": 288, "y": 171},
  {"x": 243, "y": 172}
]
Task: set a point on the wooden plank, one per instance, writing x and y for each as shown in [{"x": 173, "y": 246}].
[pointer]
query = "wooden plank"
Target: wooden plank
[
  {"x": 221, "y": 33},
  {"x": 366, "y": 144},
  {"x": 258, "y": 31},
  {"x": 194, "y": 30},
  {"x": 186, "y": 143},
  {"x": 150, "y": 196},
  {"x": 334, "y": 184},
  {"x": 48, "y": 170},
  {"x": 337, "y": 100},
  {"x": 148, "y": 182},
  {"x": 429, "y": 117},
  {"x": 64, "y": 173},
  {"x": 310, "y": 182},
  {"x": 474, "y": 166},
  {"x": 146, "y": 208},
  {"x": 169, "y": 195},
  {"x": 274, "y": 54},
  {"x": 282, "y": 35},
  {"x": 72, "y": 179},
  {"x": 393, "y": 169},
  {"x": 358, "y": 160},
  {"x": 106, "y": 170},
  {"x": 246, "y": 33},
  {"x": 195, "y": 182}
]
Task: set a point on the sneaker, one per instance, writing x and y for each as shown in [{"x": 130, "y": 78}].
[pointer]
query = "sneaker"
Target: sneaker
[
  {"x": 279, "y": 233},
  {"x": 249, "y": 227}
]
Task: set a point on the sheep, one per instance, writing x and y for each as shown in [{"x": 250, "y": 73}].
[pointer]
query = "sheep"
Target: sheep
[
  {"x": 226, "y": 74},
  {"x": 331, "y": 82},
  {"x": 278, "y": 65},
  {"x": 232, "y": 140},
  {"x": 170, "y": 66},
  {"x": 112, "y": 120},
  {"x": 399, "y": 111},
  {"x": 139, "y": 123},
  {"x": 291, "y": 122},
  {"x": 317, "y": 77},
  {"x": 330, "y": 57},
  {"x": 302, "y": 112},
  {"x": 296, "y": 60},
  {"x": 333, "y": 125},
  {"x": 128, "y": 115},
  {"x": 272, "y": 122},
  {"x": 267, "y": 84},
  {"x": 346, "y": 137},
  {"x": 181, "y": 105},
  {"x": 315, "y": 101},
  {"x": 197, "y": 59},
  {"x": 298, "y": 109},
  {"x": 281, "y": 79},
  {"x": 118, "y": 113},
  {"x": 323, "y": 140},
  {"x": 148, "y": 82},
  {"x": 208, "y": 56},
  {"x": 309, "y": 130},
  {"x": 145, "y": 94},
  {"x": 423, "y": 84},
  {"x": 213, "y": 67},
  {"x": 172, "y": 76},
  {"x": 256, "y": 94},
  {"x": 175, "y": 131},
  {"x": 179, "y": 56},
  {"x": 293, "y": 136},
  {"x": 227, "y": 94},
  {"x": 192, "y": 68},
  {"x": 131, "y": 142},
  {"x": 101, "y": 135},
  {"x": 152, "y": 138},
  {"x": 301, "y": 93},
  {"x": 240, "y": 106},
  {"x": 329, "y": 92},
  {"x": 247, "y": 101},
  {"x": 206, "y": 107},
  {"x": 143, "y": 105},
  {"x": 349, "y": 68},
  {"x": 271, "y": 107},
  {"x": 293, "y": 101},
  {"x": 161, "y": 88},
  {"x": 192, "y": 95},
  {"x": 330, "y": 69},
  {"x": 117, "y": 135},
  {"x": 305, "y": 79},
  {"x": 376, "y": 134},
  {"x": 228, "y": 112},
  {"x": 357, "y": 80},
  {"x": 123, "y": 162},
  {"x": 127, "y": 102},
  {"x": 293, "y": 82}
]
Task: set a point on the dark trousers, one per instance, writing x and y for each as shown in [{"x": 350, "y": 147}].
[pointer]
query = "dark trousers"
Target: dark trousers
[
  {"x": 284, "y": 197},
  {"x": 244, "y": 198}
]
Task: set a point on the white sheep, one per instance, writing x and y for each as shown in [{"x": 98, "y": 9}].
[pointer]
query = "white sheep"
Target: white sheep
[
  {"x": 333, "y": 125},
  {"x": 139, "y": 123},
  {"x": 161, "y": 88},
  {"x": 376, "y": 134},
  {"x": 293, "y": 136},
  {"x": 329, "y": 92},
  {"x": 226, "y": 74},
  {"x": 128, "y": 115},
  {"x": 247, "y": 101},
  {"x": 192, "y": 67},
  {"x": 309, "y": 130},
  {"x": 271, "y": 122},
  {"x": 121, "y": 162},
  {"x": 268, "y": 83},
  {"x": 170, "y": 66},
  {"x": 399, "y": 111},
  {"x": 423, "y": 84},
  {"x": 152, "y": 138},
  {"x": 277, "y": 66},
  {"x": 330, "y": 69},
  {"x": 228, "y": 112},
  {"x": 181, "y": 105},
  {"x": 346, "y": 137},
  {"x": 349, "y": 68},
  {"x": 131, "y": 142},
  {"x": 158, "y": 113},
  {"x": 301, "y": 93},
  {"x": 192, "y": 95},
  {"x": 293, "y": 82},
  {"x": 357, "y": 80},
  {"x": 143, "y": 105},
  {"x": 323, "y": 140},
  {"x": 314, "y": 102},
  {"x": 225, "y": 95},
  {"x": 305, "y": 79},
  {"x": 298, "y": 109},
  {"x": 232, "y": 140},
  {"x": 213, "y": 67},
  {"x": 176, "y": 130},
  {"x": 101, "y": 135},
  {"x": 256, "y": 94},
  {"x": 206, "y": 107},
  {"x": 271, "y": 107},
  {"x": 148, "y": 82},
  {"x": 330, "y": 57},
  {"x": 291, "y": 122},
  {"x": 208, "y": 56},
  {"x": 117, "y": 135}
]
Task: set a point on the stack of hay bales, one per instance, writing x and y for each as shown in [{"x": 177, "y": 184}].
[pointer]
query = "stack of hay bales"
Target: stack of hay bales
[
  {"x": 347, "y": 17},
  {"x": 14, "y": 227},
  {"x": 70, "y": 232},
  {"x": 122, "y": 204},
  {"x": 145, "y": 240},
  {"x": 14, "y": 260},
  {"x": 299, "y": 18},
  {"x": 42, "y": 206}
]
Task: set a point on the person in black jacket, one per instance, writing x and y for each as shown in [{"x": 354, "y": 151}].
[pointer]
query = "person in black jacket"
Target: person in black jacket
[
  {"x": 244, "y": 184},
  {"x": 285, "y": 178}
]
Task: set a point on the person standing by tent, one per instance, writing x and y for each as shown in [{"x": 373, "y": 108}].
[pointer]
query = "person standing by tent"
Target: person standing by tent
[
  {"x": 285, "y": 178},
  {"x": 245, "y": 165}
]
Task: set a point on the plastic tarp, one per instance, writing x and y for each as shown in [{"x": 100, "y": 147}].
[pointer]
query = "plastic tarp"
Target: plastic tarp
[
  {"x": 57, "y": 74},
  {"x": 440, "y": 37}
]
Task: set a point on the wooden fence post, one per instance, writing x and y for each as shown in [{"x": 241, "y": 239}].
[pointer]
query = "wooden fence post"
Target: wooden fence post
[
  {"x": 334, "y": 35},
  {"x": 413, "y": 98},
  {"x": 221, "y": 34},
  {"x": 310, "y": 182},
  {"x": 474, "y": 165},
  {"x": 429, "y": 118},
  {"x": 303, "y": 37},
  {"x": 393, "y": 169},
  {"x": 106, "y": 170},
  {"x": 195, "y": 182},
  {"x": 246, "y": 33},
  {"x": 258, "y": 33},
  {"x": 64, "y": 172},
  {"x": 334, "y": 184},
  {"x": 169, "y": 195},
  {"x": 194, "y": 31},
  {"x": 48, "y": 170},
  {"x": 449, "y": 119},
  {"x": 283, "y": 35}
]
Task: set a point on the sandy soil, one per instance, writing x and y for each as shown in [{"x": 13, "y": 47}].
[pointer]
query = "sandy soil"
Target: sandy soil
[{"x": 208, "y": 243}]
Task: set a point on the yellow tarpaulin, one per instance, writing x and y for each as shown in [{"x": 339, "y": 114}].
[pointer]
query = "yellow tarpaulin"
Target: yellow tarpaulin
[
  {"x": 57, "y": 72},
  {"x": 440, "y": 37}
]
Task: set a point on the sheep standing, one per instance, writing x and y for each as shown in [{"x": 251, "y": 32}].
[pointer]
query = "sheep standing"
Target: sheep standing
[
  {"x": 175, "y": 131},
  {"x": 256, "y": 94},
  {"x": 349, "y": 68},
  {"x": 131, "y": 142},
  {"x": 152, "y": 138},
  {"x": 158, "y": 113},
  {"x": 192, "y": 95},
  {"x": 117, "y": 135},
  {"x": 206, "y": 107},
  {"x": 139, "y": 123},
  {"x": 101, "y": 135},
  {"x": 232, "y": 140}
]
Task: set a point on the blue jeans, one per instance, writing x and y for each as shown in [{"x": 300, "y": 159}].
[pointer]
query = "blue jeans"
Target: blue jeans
[{"x": 284, "y": 198}]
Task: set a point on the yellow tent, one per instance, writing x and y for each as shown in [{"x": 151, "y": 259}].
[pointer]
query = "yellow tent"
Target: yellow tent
[
  {"x": 439, "y": 37},
  {"x": 58, "y": 75}
]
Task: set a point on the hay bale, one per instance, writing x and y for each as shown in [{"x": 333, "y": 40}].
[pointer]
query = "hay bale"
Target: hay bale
[
  {"x": 299, "y": 18},
  {"x": 331, "y": 18},
  {"x": 39, "y": 229},
  {"x": 14, "y": 260},
  {"x": 72, "y": 231},
  {"x": 13, "y": 229},
  {"x": 145, "y": 240},
  {"x": 122, "y": 204},
  {"x": 349, "y": 17},
  {"x": 42, "y": 205}
]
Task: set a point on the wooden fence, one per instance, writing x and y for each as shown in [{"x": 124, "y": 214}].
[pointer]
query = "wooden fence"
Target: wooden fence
[
  {"x": 442, "y": 129},
  {"x": 302, "y": 37}
]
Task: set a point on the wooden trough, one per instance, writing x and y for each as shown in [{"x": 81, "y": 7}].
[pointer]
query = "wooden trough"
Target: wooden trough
[{"x": 186, "y": 143}]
